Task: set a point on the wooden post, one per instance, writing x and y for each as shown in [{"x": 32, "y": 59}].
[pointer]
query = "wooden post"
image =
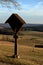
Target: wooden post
[
  {"x": 15, "y": 46},
  {"x": 16, "y": 22}
]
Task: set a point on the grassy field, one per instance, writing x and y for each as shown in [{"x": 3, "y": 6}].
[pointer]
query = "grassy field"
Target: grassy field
[{"x": 29, "y": 55}]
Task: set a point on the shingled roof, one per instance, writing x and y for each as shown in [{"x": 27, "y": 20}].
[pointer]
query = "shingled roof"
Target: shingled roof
[{"x": 15, "y": 21}]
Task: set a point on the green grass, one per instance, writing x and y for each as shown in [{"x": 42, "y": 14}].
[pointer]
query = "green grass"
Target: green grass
[{"x": 29, "y": 55}]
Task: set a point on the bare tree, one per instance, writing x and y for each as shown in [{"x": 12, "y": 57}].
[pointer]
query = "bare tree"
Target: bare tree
[{"x": 10, "y": 4}]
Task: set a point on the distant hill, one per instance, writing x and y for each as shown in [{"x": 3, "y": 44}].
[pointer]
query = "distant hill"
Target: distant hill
[
  {"x": 5, "y": 25},
  {"x": 25, "y": 25},
  {"x": 33, "y": 27},
  {"x": 30, "y": 27}
]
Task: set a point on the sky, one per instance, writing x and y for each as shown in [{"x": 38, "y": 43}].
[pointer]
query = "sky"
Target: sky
[{"x": 31, "y": 11}]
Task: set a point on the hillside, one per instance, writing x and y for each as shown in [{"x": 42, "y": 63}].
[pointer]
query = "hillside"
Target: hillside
[{"x": 28, "y": 54}]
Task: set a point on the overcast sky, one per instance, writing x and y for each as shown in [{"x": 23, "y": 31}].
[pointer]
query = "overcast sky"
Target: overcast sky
[{"x": 31, "y": 12}]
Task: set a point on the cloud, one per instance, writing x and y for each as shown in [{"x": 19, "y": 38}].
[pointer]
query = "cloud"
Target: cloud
[
  {"x": 28, "y": 13},
  {"x": 24, "y": 6},
  {"x": 37, "y": 9},
  {"x": 27, "y": 10}
]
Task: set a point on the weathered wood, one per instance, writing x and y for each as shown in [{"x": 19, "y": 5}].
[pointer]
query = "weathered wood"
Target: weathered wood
[{"x": 16, "y": 22}]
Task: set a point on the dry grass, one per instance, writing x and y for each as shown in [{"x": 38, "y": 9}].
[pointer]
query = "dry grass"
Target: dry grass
[{"x": 29, "y": 55}]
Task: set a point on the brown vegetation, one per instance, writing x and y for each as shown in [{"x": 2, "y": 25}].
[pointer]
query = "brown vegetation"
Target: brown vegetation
[{"x": 29, "y": 55}]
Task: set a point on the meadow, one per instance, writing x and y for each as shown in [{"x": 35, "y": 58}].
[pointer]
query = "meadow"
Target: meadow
[{"x": 29, "y": 55}]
